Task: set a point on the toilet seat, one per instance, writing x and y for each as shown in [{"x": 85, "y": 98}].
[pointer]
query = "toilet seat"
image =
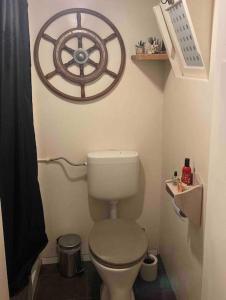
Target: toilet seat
[{"x": 118, "y": 243}]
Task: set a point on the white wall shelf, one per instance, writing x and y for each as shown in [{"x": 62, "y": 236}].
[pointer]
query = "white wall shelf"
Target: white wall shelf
[{"x": 189, "y": 201}]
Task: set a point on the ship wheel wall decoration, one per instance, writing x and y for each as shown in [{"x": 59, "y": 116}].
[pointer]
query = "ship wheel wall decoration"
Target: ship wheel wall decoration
[{"x": 80, "y": 56}]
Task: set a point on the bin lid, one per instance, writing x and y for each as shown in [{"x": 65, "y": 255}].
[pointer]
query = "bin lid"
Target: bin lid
[{"x": 69, "y": 241}]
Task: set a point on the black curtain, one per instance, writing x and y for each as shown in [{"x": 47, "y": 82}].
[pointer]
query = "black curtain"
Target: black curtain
[{"x": 23, "y": 220}]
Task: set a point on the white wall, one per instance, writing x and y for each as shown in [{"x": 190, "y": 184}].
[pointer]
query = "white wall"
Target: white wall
[
  {"x": 130, "y": 117},
  {"x": 215, "y": 242},
  {"x": 186, "y": 133}
]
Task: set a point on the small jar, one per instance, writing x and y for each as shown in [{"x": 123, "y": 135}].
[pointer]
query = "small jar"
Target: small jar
[{"x": 140, "y": 50}]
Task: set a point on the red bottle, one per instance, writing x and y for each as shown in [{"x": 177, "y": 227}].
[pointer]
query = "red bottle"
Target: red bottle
[{"x": 186, "y": 172}]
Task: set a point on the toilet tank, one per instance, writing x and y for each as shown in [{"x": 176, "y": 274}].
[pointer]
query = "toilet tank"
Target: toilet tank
[{"x": 113, "y": 175}]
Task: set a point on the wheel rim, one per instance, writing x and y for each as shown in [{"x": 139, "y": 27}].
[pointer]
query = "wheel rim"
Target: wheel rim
[{"x": 79, "y": 56}]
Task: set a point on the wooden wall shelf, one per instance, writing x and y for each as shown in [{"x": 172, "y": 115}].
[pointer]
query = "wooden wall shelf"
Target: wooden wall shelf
[
  {"x": 150, "y": 57},
  {"x": 189, "y": 201}
]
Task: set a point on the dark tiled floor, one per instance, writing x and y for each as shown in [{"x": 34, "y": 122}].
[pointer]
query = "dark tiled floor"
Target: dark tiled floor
[{"x": 52, "y": 286}]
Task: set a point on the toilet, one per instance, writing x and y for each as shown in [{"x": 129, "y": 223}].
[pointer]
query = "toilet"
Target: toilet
[{"x": 117, "y": 246}]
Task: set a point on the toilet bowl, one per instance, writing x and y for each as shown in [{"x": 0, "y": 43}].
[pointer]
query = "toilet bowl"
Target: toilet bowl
[
  {"x": 117, "y": 249},
  {"x": 117, "y": 246},
  {"x": 117, "y": 283}
]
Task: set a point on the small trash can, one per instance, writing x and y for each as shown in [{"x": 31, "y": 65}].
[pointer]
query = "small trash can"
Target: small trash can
[{"x": 69, "y": 251}]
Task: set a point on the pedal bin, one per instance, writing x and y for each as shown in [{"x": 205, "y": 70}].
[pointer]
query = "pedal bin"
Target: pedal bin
[{"x": 69, "y": 251}]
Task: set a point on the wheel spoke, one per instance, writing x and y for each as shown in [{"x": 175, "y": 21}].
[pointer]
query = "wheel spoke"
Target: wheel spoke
[
  {"x": 110, "y": 38},
  {"x": 79, "y": 22},
  {"x": 81, "y": 70},
  {"x": 51, "y": 74},
  {"x": 110, "y": 73},
  {"x": 92, "y": 49},
  {"x": 55, "y": 72},
  {"x": 92, "y": 63},
  {"x": 83, "y": 94},
  {"x": 80, "y": 41},
  {"x": 53, "y": 41},
  {"x": 69, "y": 63},
  {"x": 69, "y": 50},
  {"x": 49, "y": 38}
]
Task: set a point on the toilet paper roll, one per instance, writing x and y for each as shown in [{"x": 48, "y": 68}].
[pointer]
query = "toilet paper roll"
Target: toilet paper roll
[
  {"x": 177, "y": 210},
  {"x": 149, "y": 268}
]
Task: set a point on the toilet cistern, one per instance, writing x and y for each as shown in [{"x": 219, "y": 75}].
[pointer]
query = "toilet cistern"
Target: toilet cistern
[{"x": 113, "y": 176}]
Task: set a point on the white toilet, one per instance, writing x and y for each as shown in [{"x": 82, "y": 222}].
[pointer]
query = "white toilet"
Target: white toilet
[{"x": 117, "y": 246}]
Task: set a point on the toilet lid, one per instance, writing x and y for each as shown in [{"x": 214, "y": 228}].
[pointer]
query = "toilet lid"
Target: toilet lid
[{"x": 118, "y": 243}]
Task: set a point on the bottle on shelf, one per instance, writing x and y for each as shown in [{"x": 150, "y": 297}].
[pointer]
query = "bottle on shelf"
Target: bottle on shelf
[
  {"x": 186, "y": 172},
  {"x": 175, "y": 178}
]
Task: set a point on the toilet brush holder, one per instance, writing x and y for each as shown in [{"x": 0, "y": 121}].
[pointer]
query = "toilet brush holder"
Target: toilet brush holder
[{"x": 149, "y": 268}]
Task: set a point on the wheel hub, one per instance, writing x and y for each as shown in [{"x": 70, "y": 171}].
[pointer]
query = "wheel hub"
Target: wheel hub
[{"x": 81, "y": 56}]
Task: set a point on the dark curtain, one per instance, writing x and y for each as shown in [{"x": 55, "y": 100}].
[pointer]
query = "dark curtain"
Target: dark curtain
[{"x": 23, "y": 220}]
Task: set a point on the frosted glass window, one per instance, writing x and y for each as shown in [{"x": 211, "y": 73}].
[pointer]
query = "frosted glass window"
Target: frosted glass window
[{"x": 184, "y": 35}]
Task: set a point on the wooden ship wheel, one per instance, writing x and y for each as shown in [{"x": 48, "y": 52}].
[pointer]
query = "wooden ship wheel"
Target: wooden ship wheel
[{"x": 80, "y": 56}]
